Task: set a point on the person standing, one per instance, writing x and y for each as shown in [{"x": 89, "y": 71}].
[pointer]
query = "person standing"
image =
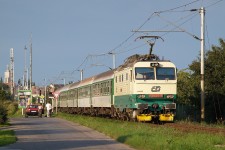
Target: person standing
[
  {"x": 40, "y": 110},
  {"x": 49, "y": 108}
]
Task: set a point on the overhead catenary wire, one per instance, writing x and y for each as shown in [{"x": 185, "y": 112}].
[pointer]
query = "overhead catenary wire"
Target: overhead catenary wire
[
  {"x": 207, "y": 35},
  {"x": 126, "y": 40},
  {"x": 172, "y": 9},
  {"x": 120, "y": 48},
  {"x": 179, "y": 27},
  {"x": 149, "y": 18},
  {"x": 168, "y": 11},
  {"x": 214, "y": 3}
]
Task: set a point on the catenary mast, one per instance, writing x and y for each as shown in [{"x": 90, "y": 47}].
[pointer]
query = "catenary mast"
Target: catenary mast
[{"x": 202, "y": 13}]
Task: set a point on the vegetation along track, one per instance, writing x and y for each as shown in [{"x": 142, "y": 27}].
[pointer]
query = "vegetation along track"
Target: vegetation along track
[{"x": 182, "y": 126}]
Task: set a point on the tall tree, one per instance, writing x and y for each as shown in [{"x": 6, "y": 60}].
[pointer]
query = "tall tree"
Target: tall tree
[{"x": 214, "y": 83}]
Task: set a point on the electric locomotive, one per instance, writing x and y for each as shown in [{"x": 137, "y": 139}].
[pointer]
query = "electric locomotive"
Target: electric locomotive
[{"x": 145, "y": 89}]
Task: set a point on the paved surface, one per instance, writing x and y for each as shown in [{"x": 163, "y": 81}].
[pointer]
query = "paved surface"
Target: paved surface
[{"x": 54, "y": 133}]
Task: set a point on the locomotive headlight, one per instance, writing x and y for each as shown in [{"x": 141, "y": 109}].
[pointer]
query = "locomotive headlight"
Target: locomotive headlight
[
  {"x": 141, "y": 96},
  {"x": 154, "y": 64},
  {"x": 170, "y": 96}
]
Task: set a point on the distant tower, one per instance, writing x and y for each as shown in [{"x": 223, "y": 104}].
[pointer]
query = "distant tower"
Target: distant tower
[
  {"x": 6, "y": 77},
  {"x": 11, "y": 70}
]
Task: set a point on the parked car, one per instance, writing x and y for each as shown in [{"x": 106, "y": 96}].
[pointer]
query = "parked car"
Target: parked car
[{"x": 32, "y": 110}]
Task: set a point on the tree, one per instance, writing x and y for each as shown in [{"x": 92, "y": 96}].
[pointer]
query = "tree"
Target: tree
[
  {"x": 184, "y": 87},
  {"x": 4, "y": 92},
  {"x": 214, "y": 83}
]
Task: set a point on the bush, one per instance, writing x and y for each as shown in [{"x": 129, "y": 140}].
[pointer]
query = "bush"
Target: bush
[
  {"x": 3, "y": 115},
  {"x": 12, "y": 107}
]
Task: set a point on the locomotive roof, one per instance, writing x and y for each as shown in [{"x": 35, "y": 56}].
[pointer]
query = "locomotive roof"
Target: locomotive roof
[{"x": 130, "y": 61}]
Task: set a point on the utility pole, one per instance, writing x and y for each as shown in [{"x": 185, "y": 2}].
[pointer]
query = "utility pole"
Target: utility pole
[
  {"x": 81, "y": 74},
  {"x": 31, "y": 63},
  {"x": 114, "y": 59},
  {"x": 12, "y": 72},
  {"x": 45, "y": 92},
  {"x": 202, "y": 13},
  {"x": 64, "y": 81},
  {"x": 25, "y": 85}
]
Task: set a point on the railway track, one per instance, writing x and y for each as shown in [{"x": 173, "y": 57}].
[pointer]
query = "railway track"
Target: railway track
[{"x": 187, "y": 127}]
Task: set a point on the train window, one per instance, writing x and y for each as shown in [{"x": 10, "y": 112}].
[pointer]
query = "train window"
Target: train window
[
  {"x": 126, "y": 76},
  {"x": 165, "y": 73},
  {"x": 131, "y": 75},
  {"x": 142, "y": 73}
]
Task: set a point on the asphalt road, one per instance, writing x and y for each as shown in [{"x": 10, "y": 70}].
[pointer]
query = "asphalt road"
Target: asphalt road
[{"x": 53, "y": 133}]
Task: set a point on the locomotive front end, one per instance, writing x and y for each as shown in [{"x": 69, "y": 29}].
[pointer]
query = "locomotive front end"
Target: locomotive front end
[{"x": 155, "y": 90}]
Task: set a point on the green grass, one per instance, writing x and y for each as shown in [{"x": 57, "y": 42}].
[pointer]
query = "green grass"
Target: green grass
[
  {"x": 7, "y": 137},
  {"x": 144, "y": 136}
]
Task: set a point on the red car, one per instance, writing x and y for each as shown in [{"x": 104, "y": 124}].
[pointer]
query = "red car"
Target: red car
[{"x": 32, "y": 110}]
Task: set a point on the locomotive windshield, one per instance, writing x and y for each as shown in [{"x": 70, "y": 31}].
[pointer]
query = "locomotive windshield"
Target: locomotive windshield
[
  {"x": 146, "y": 73},
  {"x": 165, "y": 73}
]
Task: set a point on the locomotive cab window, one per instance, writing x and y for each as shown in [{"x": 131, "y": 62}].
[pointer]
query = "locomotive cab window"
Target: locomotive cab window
[
  {"x": 165, "y": 74},
  {"x": 144, "y": 73}
]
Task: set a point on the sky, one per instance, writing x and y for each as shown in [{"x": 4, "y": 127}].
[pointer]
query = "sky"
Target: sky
[{"x": 68, "y": 36}]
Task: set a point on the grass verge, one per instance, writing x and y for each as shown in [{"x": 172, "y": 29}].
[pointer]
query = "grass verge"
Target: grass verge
[
  {"x": 7, "y": 137},
  {"x": 143, "y": 136}
]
